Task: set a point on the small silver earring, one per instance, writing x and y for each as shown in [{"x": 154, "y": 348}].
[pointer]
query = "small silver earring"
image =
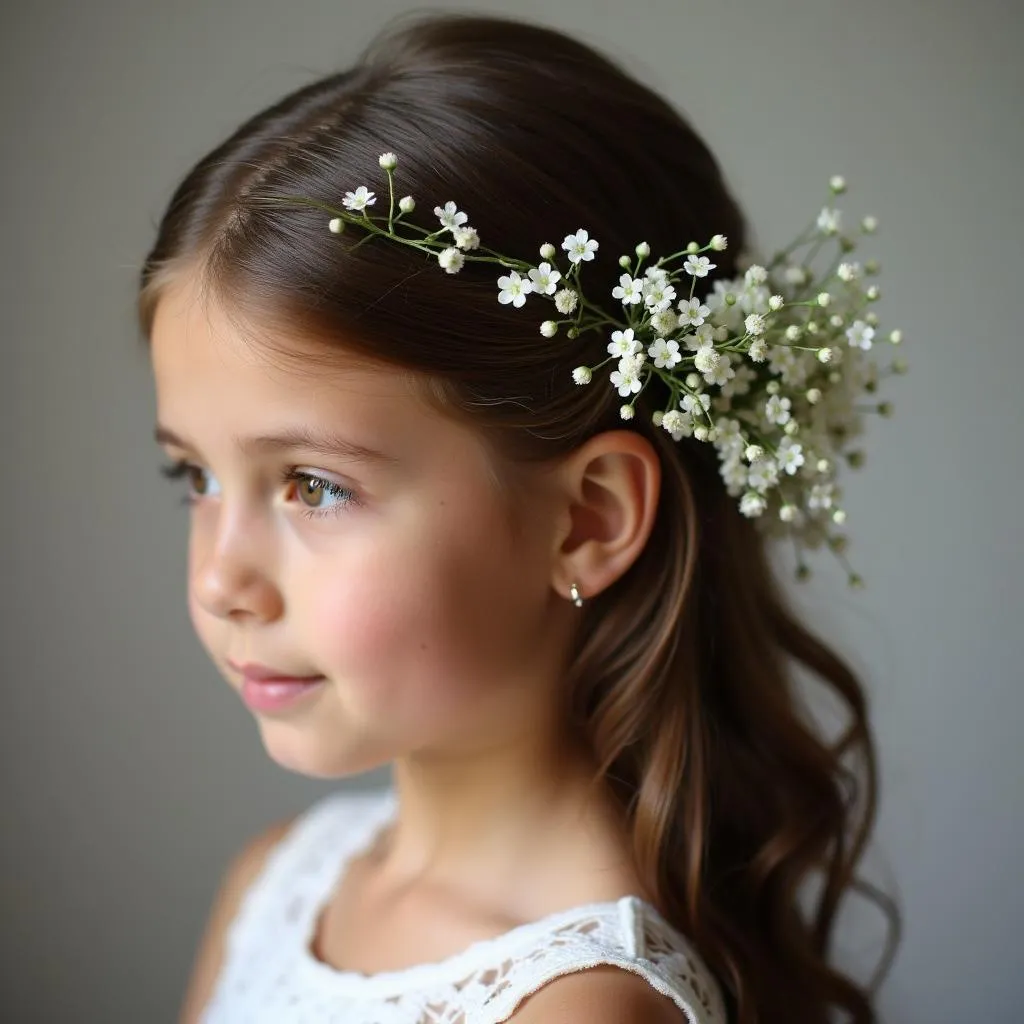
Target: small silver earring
[{"x": 574, "y": 593}]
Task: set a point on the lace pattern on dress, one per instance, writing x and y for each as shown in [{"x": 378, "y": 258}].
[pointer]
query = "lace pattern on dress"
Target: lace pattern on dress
[{"x": 270, "y": 974}]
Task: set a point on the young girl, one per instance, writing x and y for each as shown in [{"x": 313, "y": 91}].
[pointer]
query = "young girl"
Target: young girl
[{"x": 416, "y": 539}]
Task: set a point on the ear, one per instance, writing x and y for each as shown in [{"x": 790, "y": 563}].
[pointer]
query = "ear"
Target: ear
[{"x": 609, "y": 493}]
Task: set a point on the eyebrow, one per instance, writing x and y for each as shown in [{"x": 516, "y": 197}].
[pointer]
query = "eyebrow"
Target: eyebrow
[{"x": 289, "y": 440}]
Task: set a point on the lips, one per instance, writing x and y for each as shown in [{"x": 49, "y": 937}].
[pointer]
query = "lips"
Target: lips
[{"x": 268, "y": 674}]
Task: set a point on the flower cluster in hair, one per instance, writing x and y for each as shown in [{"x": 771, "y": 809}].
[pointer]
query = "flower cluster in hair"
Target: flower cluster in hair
[{"x": 771, "y": 368}]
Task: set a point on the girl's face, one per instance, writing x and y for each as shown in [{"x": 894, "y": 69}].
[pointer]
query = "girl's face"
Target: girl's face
[{"x": 403, "y": 578}]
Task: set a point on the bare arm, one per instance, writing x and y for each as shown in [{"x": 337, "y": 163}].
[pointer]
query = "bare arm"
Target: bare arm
[{"x": 238, "y": 876}]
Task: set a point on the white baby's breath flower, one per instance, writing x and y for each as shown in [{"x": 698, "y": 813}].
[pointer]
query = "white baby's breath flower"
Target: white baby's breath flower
[
  {"x": 706, "y": 359},
  {"x": 703, "y": 337},
  {"x": 629, "y": 291},
  {"x": 678, "y": 425},
  {"x": 565, "y": 301},
  {"x": 336, "y": 225},
  {"x": 451, "y": 260},
  {"x": 848, "y": 271},
  {"x": 793, "y": 332},
  {"x": 549, "y": 328},
  {"x": 664, "y": 321},
  {"x": 545, "y": 279},
  {"x": 657, "y": 275},
  {"x": 787, "y": 513},
  {"x": 719, "y": 242},
  {"x": 643, "y": 250},
  {"x": 860, "y": 335},
  {"x": 777, "y": 410},
  {"x": 869, "y": 225},
  {"x": 753, "y": 453},
  {"x": 837, "y": 183},
  {"x": 825, "y": 355},
  {"x": 752, "y": 504},
  {"x": 758, "y": 350},
  {"x": 829, "y": 221},
  {"x": 896, "y": 336},
  {"x": 698, "y": 266},
  {"x": 450, "y": 216},
  {"x": 795, "y": 275},
  {"x": 626, "y": 379},
  {"x": 755, "y": 274},
  {"x": 692, "y": 312},
  {"x": 359, "y": 200},
  {"x": 665, "y": 353},
  {"x": 721, "y": 373},
  {"x": 512, "y": 288},
  {"x": 388, "y": 161},
  {"x": 763, "y": 474},
  {"x": 658, "y": 294},
  {"x": 754, "y": 324},
  {"x": 696, "y": 405},
  {"x": 547, "y": 252},
  {"x": 776, "y": 302},
  {"x": 407, "y": 204},
  {"x": 623, "y": 343},
  {"x": 466, "y": 237},
  {"x": 582, "y": 375},
  {"x": 790, "y": 455},
  {"x": 627, "y": 412},
  {"x": 824, "y": 299},
  {"x": 873, "y": 293},
  {"x": 580, "y": 247},
  {"x": 820, "y": 496}
]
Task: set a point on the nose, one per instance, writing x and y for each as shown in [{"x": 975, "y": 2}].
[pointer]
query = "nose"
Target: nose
[{"x": 231, "y": 575}]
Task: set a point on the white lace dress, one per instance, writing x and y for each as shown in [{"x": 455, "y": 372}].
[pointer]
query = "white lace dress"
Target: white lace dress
[{"x": 270, "y": 974}]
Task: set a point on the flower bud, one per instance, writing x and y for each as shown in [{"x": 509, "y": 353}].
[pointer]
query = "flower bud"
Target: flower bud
[
  {"x": 873, "y": 293},
  {"x": 823, "y": 466},
  {"x": 869, "y": 225},
  {"x": 871, "y": 318},
  {"x": 787, "y": 513},
  {"x": 885, "y": 409},
  {"x": 549, "y": 328},
  {"x": 793, "y": 332},
  {"x": 336, "y": 225},
  {"x": 836, "y": 320},
  {"x": 700, "y": 432},
  {"x": 839, "y": 517},
  {"x": 388, "y": 161},
  {"x": 855, "y": 458},
  {"x": 407, "y": 204},
  {"x": 776, "y": 302},
  {"x": 871, "y": 267},
  {"x": 896, "y": 336},
  {"x": 692, "y": 247},
  {"x": 626, "y": 412},
  {"x": 547, "y": 252},
  {"x": 824, "y": 355},
  {"x": 773, "y": 387},
  {"x": 573, "y": 333},
  {"x": 811, "y": 326},
  {"x": 837, "y": 183},
  {"x": 719, "y": 242},
  {"x": 753, "y": 453},
  {"x": 625, "y": 262},
  {"x": 657, "y": 416},
  {"x": 643, "y": 250},
  {"x": 824, "y": 298},
  {"x": 814, "y": 396},
  {"x": 582, "y": 375},
  {"x": 791, "y": 427},
  {"x": 693, "y": 381}
]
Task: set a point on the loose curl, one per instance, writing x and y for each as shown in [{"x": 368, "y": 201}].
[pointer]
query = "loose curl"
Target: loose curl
[{"x": 681, "y": 684}]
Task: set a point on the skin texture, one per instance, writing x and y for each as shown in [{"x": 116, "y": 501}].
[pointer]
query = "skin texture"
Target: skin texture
[{"x": 434, "y": 606}]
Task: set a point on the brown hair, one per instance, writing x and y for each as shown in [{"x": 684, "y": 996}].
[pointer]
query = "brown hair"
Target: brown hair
[{"x": 682, "y": 679}]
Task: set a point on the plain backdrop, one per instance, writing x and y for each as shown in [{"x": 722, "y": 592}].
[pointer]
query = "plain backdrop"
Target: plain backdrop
[{"x": 131, "y": 773}]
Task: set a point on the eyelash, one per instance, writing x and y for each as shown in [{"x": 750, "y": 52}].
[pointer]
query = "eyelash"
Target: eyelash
[{"x": 180, "y": 468}]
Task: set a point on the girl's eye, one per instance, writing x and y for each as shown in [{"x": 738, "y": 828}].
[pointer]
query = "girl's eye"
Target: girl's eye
[{"x": 319, "y": 496}]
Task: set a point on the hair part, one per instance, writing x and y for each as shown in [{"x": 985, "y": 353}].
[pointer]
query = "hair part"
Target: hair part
[{"x": 681, "y": 684}]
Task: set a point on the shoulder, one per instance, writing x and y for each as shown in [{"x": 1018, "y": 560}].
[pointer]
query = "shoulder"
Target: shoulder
[
  {"x": 237, "y": 877},
  {"x": 598, "y": 995}
]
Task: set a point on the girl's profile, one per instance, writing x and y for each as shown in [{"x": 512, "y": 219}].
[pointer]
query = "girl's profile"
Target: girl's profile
[{"x": 416, "y": 540}]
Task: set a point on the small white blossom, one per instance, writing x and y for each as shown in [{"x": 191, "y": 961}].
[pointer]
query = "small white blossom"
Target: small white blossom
[
  {"x": 739, "y": 384},
  {"x": 692, "y": 312},
  {"x": 658, "y": 294},
  {"x": 665, "y": 353},
  {"x": 793, "y": 332},
  {"x": 721, "y": 373},
  {"x": 719, "y": 242},
  {"x": 837, "y": 183},
  {"x": 643, "y": 250},
  {"x": 758, "y": 350},
  {"x": 776, "y": 410},
  {"x": 359, "y": 200},
  {"x": 754, "y": 324},
  {"x": 388, "y": 161},
  {"x": 836, "y": 320},
  {"x": 825, "y": 355},
  {"x": 706, "y": 359},
  {"x": 860, "y": 335},
  {"x": 696, "y": 405},
  {"x": 657, "y": 275},
  {"x": 582, "y": 375},
  {"x": 451, "y": 260},
  {"x": 698, "y": 266},
  {"x": 820, "y": 496},
  {"x": 790, "y": 455},
  {"x": 896, "y": 336},
  {"x": 336, "y": 225},
  {"x": 848, "y": 271},
  {"x": 630, "y": 290},
  {"x": 450, "y": 216},
  {"x": 513, "y": 288},
  {"x": 869, "y": 225},
  {"x": 752, "y": 504},
  {"x": 795, "y": 275},
  {"x": 734, "y": 473},
  {"x": 407, "y": 204},
  {"x": 787, "y": 513},
  {"x": 627, "y": 412},
  {"x": 565, "y": 301},
  {"x": 664, "y": 321},
  {"x": 545, "y": 279},
  {"x": 762, "y": 475},
  {"x": 776, "y": 302},
  {"x": 631, "y": 364},
  {"x": 753, "y": 453},
  {"x": 623, "y": 343},
  {"x": 873, "y": 293},
  {"x": 549, "y": 328},
  {"x": 828, "y": 221},
  {"x": 678, "y": 425},
  {"x": 466, "y": 237},
  {"x": 580, "y": 246},
  {"x": 703, "y": 337},
  {"x": 756, "y": 274},
  {"x": 824, "y": 299},
  {"x": 729, "y": 432}
]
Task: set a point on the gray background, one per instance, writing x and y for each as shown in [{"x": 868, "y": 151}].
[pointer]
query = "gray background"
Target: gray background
[{"x": 130, "y": 773}]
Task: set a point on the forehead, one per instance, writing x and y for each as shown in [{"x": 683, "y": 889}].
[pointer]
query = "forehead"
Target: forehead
[{"x": 209, "y": 367}]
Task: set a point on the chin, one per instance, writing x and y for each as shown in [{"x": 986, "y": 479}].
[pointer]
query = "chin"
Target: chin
[{"x": 317, "y": 757}]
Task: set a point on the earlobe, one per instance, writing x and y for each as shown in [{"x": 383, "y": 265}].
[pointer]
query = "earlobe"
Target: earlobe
[{"x": 613, "y": 482}]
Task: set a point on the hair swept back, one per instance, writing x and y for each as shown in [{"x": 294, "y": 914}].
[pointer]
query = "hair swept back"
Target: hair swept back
[{"x": 682, "y": 681}]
